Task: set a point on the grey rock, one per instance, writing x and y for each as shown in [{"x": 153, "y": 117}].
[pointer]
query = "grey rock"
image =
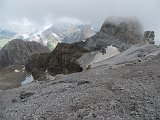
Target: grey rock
[{"x": 149, "y": 37}]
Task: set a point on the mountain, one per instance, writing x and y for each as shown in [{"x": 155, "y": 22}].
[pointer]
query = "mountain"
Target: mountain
[
  {"x": 50, "y": 36},
  {"x": 119, "y": 32},
  {"x": 63, "y": 32},
  {"x": 16, "y": 52},
  {"x": 47, "y": 38},
  {"x": 73, "y": 32}
]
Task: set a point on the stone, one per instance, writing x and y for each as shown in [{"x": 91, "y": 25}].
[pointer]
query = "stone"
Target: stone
[{"x": 149, "y": 37}]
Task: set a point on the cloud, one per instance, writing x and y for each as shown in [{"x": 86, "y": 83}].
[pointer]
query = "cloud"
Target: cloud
[
  {"x": 94, "y": 11},
  {"x": 23, "y": 26}
]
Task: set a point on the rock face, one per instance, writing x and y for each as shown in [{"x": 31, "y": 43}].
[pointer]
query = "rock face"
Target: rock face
[
  {"x": 63, "y": 60},
  {"x": 127, "y": 30},
  {"x": 16, "y": 52},
  {"x": 149, "y": 37},
  {"x": 119, "y": 32}
]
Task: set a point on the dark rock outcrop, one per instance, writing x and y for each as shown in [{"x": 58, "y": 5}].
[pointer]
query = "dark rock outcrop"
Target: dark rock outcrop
[
  {"x": 119, "y": 32},
  {"x": 37, "y": 65},
  {"x": 127, "y": 30},
  {"x": 63, "y": 60},
  {"x": 16, "y": 52},
  {"x": 149, "y": 37}
]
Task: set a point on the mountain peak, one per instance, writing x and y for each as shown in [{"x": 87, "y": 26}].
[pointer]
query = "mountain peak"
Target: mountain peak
[{"x": 17, "y": 52}]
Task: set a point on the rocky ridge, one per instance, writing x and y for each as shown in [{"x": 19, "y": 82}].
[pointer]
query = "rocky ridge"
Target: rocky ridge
[{"x": 16, "y": 52}]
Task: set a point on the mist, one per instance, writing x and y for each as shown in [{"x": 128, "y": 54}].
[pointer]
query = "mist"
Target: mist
[{"x": 16, "y": 14}]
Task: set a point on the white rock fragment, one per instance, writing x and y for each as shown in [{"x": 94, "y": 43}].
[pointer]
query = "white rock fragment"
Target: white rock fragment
[
  {"x": 24, "y": 68},
  {"x": 27, "y": 80}
]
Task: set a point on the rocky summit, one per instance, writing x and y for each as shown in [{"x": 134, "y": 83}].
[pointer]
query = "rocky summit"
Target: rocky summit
[
  {"x": 17, "y": 51},
  {"x": 119, "y": 32}
]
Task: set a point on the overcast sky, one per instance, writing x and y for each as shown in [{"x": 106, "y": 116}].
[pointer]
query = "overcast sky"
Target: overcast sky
[{"x": 41, "y": 12}]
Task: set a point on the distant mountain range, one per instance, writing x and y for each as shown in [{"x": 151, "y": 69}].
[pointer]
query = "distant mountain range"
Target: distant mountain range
[
  {"x": 5, "y": 36},
  {"x": 51, "y": 36},
  {"x": 66, "y": 33}
]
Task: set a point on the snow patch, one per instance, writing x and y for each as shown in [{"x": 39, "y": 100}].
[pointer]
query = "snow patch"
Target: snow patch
[{"x": 16, "y": 70}]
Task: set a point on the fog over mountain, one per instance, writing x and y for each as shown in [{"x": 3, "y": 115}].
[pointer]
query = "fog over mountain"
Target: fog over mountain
[{"x": 17, "y": 14}]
